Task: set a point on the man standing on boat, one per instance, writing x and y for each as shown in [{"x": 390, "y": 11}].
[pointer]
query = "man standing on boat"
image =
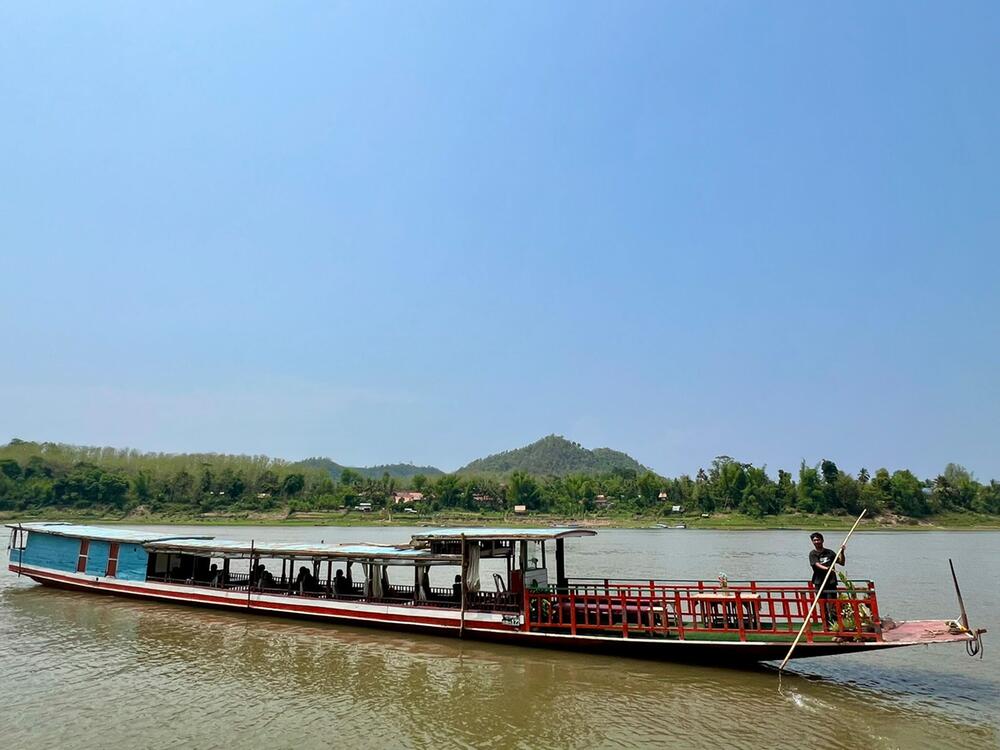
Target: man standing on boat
[{"x": 821, "y": 559}]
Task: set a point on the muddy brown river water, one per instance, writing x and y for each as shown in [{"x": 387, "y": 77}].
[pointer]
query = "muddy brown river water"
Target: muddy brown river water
[{"x": 88, "y": 671}]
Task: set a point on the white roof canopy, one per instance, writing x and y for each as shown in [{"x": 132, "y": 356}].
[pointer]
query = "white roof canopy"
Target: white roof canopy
[{"x": 486, "y": 534}]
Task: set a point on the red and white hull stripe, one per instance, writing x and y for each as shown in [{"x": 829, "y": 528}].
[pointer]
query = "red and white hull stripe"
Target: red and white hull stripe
[
  {"x": 363, "y": 613},
  {"x": 443, "y": 621}
]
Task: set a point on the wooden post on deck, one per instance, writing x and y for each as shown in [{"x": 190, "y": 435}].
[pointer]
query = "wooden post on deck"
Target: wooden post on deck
[
  {"x": 561, "y": 583},
  {"x": 250, "y": 576},
  {"x": 461, "y": 621}
]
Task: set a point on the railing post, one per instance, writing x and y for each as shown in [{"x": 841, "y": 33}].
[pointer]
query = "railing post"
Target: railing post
[
  {"x": 678, "y": 614},
  {"x": 873, "y": 606},
  {"x": 809, "y": 628},
  {"x": 572, "y": 614},
  {"x": 624, "y": 615},
  {"x": 652, "y": 600},
  {"x": 739, "y": 615}
]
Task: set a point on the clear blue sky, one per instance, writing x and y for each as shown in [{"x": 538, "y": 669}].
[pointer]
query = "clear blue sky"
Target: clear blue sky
[{"x": 432, "y": 231}]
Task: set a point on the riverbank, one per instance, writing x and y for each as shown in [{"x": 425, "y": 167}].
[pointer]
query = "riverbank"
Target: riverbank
[{"x": 715, "y": 521}]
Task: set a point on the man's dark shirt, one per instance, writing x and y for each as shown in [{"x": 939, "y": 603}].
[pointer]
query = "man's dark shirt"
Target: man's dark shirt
[{"x": 824, "y": 556}]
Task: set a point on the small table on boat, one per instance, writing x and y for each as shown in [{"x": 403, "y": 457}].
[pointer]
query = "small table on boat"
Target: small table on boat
[{"x": 715, "y": 605}]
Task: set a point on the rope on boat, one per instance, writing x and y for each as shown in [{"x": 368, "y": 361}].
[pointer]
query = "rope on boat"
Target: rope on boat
[{"x": 975, "y": 646}]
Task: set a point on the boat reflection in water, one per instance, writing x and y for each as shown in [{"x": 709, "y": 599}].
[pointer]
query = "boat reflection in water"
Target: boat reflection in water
[{"x": 171, "y": 674}]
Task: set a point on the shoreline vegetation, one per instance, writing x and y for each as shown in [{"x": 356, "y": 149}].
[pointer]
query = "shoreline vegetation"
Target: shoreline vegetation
[
  {"x": 550, "y": 482},
  {"x": 715, "y": 522}
]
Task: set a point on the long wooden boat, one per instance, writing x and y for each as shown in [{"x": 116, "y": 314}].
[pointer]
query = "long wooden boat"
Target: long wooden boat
[{"x": 527, "y": 603}]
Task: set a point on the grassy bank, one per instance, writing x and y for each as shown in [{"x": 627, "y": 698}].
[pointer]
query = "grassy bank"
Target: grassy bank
[{"x": 718, "y": 521}]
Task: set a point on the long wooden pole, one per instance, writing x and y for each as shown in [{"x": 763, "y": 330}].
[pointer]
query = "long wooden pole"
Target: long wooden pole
[
  {"x": 461, "y": 614},
  {"x": 819, "y": 592},
  {"x": 250, "y": 576},
  {"x": 958, "y": 591}
]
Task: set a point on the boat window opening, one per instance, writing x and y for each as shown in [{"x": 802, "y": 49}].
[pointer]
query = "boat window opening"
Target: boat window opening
[
  {"x": 472, "y": 555},
  {"x": 200, "y": 565},
  {"x": 158, "y": 566},
  {"x": 112, "y": 569},
  {"x": 174, "y": 568},
  {"x": 216, "y": 573},
  {"x": 81, "y": 560},
  {"x": 18, "y": 540}
]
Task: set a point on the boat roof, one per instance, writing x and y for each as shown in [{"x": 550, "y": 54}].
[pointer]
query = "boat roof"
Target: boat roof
[
  {"x": 191, "y": 544},
  {"x": 501, "y": 534},
  {"x": 62, "y": 528},
  {"x": 230, "y": 548}
]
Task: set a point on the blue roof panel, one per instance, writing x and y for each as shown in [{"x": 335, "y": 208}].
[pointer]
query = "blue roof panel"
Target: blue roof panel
[{"x": 80, "y": 531}]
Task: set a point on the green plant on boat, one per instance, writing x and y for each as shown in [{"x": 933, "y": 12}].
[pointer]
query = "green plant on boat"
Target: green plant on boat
[{"x": 847, "y": 612}]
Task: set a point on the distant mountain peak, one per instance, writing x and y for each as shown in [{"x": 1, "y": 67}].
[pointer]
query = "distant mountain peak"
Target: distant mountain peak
[{"x": 554, "y": 455}]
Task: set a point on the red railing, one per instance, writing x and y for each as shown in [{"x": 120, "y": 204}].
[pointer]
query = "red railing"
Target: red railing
[{"x": 745, "y": 610}]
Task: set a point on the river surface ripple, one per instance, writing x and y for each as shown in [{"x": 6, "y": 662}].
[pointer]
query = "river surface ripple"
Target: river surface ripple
[{"x": 87, "y": 671}]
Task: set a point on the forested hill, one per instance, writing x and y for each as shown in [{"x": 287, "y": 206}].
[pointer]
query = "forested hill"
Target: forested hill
[
  {"x": 555, "y": 456},
  {"x": 396, "y": 471},
  {"x": 551, "y": 476}
]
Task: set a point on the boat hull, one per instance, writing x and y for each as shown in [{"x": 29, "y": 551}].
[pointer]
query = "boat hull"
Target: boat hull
[{"x": 448, "y": 622}]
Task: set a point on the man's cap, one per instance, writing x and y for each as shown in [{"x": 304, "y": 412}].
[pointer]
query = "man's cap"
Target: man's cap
[{"x": 816, "y": 535}]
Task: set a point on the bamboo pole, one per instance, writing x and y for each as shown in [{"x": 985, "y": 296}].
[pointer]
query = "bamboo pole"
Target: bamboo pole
[{"x": 819, "y": 592}]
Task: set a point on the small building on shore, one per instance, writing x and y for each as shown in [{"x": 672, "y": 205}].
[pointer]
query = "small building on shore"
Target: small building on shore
[{"x": 405, "y": 498}]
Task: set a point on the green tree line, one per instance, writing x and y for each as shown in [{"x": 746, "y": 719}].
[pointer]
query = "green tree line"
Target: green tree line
[{"x": 37, "y": 476}]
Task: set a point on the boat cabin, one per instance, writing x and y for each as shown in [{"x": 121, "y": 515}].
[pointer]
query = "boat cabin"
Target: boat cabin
[{"x": 439, "y": 568}]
